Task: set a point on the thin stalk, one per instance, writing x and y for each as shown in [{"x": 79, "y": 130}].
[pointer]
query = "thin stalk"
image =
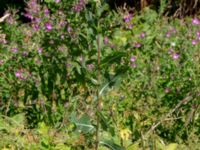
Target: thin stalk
[{"x": 98, "y": 106}]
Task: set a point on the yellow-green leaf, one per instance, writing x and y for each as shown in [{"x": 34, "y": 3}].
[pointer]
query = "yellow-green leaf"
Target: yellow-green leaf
[
  {"x": 133, "y": 147},
  {"x": 172, "y": 146}
]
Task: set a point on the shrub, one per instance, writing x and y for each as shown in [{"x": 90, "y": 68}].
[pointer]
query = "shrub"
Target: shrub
[{"x": 101, "y": 78}]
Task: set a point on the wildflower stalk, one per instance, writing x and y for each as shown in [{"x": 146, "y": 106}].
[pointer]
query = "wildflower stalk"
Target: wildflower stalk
[{"x": 98, "y": 106}]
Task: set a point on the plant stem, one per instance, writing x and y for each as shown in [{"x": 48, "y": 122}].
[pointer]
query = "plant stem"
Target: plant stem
[{"x": 98, "y": 107}]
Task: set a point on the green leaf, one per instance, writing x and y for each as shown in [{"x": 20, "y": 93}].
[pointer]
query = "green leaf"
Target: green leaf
[
  {"x": 61, "y": 146},
  {"x": 163, "y": 5},
  {"x": 49, "y": 1},
  {"x": 111, "y": 145},
  {"x": 83, "y": 124},
  {"x": 19, "y": 119},
  {"x": 172, "y": 146},
  {"x": 3, "y": 124},
  {"x": 109, "y": 83},
  {"x": 43, "y": 129},
  {"x": 103, "y": 120},
  {"x": 133, "y": 147},
  {"x": 114, "y": 57}
]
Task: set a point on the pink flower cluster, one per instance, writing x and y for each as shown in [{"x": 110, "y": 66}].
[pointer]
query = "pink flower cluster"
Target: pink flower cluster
[
  {"x": 79, "y": 6},
  {"x": 22, "y": 74},
  {"x": 170, "y": 32},
  {"x": 90, "y": 67},
  {"x": 32, "y": 10},
  {"x": 132, "y": 61},
  {"x": 196, "y": 21},
  {"x": 197, "y": 38},
  {"x": 127, "y": 18},
  {"x": 173, "y": 54}
]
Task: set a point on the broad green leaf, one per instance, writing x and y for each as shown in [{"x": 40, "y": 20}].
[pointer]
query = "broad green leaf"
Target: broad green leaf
[
  {"x": 108, "y": 84},
  {"x": 83, "y": 124},
  {"x": 19, "y": 119}
]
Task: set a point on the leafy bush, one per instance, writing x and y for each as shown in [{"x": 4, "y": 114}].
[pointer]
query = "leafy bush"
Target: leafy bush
[{"x": 89, "y": 78}]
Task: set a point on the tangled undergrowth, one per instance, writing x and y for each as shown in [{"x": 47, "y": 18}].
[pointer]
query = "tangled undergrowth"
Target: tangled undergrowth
[{"x": 90, "y": 78}]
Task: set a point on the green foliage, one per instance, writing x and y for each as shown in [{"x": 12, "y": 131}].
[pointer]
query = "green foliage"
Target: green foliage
[{"x": 133, "y": 79}]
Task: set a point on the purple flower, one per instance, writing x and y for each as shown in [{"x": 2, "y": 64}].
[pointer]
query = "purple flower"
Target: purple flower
[
  {"x": 37, "y": 20},
  {"x": 142, "y": 35},
  {"x": 69, "y": 29},
  {"x": 194, "y": 42},
  {"x": 130, "y": 26},
  {"x": 170, "y": 50},
  {"x": 105, "y": 40},
  {"x": 198, "y": 34},
  {"x": 78, "y": 7},
  {"x": 48, "y": 26},
  {"x": 168, "y": 34},
  {"x": 175, "y": 56},
  {"x": 33, "y": 3},
  {"x": 32, "y": 9},
  {"x": 173, "y": 31},
  {"x": 1, "y": 61},
  {"x": 14, "y": 50},
  {"x": 112, "y": 46},
  {"x": 195, "y": 21},
  {"x": 35, "y": 27},
  {"x": 167, "y": 90},
  {"x": 133, "y": 65},
  {"x": 40, "y": 50},
  {"x": 132, "y": 59},
  {"x": 90, "y": 67},
  {"x": 138, "y": 45},
  {"x": 46, "y": 11},
  {"x": 62, "y": 23},
  {"x": 82, "y": 2},
  {"x": 28, "y": 15},
  {"x": 57, "y": 1},
  {"x": 18, "y": 74},
  {"x": 25, "y": 53},
  {"x": 81, "y": 59},
  {"x": 127, "y": 18}
]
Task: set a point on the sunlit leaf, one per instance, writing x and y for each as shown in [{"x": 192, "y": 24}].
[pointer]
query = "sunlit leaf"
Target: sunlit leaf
[{"x": 172, "y": 146}]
